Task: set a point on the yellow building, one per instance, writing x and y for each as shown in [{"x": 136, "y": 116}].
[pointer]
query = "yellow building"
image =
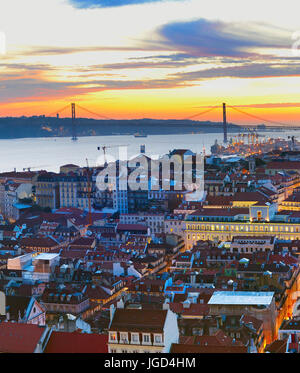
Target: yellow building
[{"x": 225, "y": 231}]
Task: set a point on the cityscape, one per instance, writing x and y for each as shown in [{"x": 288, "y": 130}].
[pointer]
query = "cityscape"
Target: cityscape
[{"x": 167, "y": 217}]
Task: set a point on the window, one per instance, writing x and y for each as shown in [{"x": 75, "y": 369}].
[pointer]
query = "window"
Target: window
[
  {"x": 157, "y": 338},
  {"x": 113, "y": 336},
  {"x": 134, "y": 337},
  {"x": 146, "y": 338},
  {"x": 124, "y": 337}
]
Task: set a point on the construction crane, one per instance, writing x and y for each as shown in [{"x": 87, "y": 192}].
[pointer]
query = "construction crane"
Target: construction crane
[
  {"x": 89, "y": 192},
  {"x": 107, "y": 147}
]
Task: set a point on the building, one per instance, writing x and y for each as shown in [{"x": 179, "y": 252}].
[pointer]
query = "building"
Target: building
[
  {"x": 25, "y": 310},
  {"x": 34, "y": 267},
  {"x": 23, "y": 338},
  {"x": 74, "y": 191},
  {"x": 10, "y": 195},
  {"x": 68, "y": 168},
  {"x": 224, "y": 224},
  {"x": 155, "y": 221},
  {"x": 260, "y": 305},
  {"x": 251, "y": 244},
  {"x": 142, "y": 330},
  {"x": 76, "y": 343},
  {"x": 47, "y": 190}
]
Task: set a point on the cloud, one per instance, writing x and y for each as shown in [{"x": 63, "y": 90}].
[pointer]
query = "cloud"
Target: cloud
[
  {"x": 248, "y": 70},
  {"x": 205, "y": 38},
  {"x": 31, "y": 89},
  {"x": 111, "y": 3}
]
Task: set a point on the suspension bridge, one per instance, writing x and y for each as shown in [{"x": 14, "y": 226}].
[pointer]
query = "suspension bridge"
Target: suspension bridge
[{"x": 209, "y": 109}]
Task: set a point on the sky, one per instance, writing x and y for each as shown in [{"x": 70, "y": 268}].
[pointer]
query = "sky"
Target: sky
[{"x": 152, "y": 59}]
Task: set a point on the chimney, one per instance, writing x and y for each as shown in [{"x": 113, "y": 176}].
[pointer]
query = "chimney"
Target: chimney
[
  {"x": 120, "y": 304},
  {"x": 193, "y": 278},
  {"x": 166, "y": 305},
  {"x": 186, "y": 304},
  {"x": 112, "y": 310}
]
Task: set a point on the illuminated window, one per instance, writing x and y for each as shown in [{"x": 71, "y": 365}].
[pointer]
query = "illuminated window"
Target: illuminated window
[{"x": 112, "y": 336}]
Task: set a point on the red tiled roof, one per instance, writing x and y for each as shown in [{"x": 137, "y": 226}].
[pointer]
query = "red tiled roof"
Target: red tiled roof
[
  {"x": 38, "y": 242},
  {"x": 292, "y": 165},
  {"x": 250, "y": 196},
  {"x": 19, "y": 338},
  {"x": 130, "y": 227},
  {"x": 138, "y": 320},
  {"x": 187, "y": 348},
  {"x": 77, "y": 343},
  {"x": 278, "y": 346},
  {"x": 195, "y": 309}
]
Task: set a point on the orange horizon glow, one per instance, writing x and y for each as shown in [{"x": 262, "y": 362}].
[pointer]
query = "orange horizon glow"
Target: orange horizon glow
[{"x": 162, "y": 65}]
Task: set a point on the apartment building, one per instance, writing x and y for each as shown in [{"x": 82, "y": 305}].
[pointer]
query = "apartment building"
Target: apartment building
[
  {"x": 260, "y": 305},
  {"x": 47, "y": 190},
  {"x": 252, "y": 244},
  {"x": 74, "y": 191},
  {"x": 224, "y": 224},
  {"x": 154, "y": 221},
  {"x": 141, "y": 330}
]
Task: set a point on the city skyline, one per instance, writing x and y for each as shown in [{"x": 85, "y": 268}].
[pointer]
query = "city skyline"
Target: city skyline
[{"x": 147, "y": 58}]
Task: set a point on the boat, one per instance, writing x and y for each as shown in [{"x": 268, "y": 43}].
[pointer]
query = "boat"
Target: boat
[{"x": 139, "y": 135}]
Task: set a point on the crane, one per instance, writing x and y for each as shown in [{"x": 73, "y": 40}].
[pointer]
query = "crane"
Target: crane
[
  {"x": 89, "y": 192},
  {"x": 107, "y": 147}
]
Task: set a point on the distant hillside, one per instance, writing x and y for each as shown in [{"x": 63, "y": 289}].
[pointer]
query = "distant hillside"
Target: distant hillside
[{"x": 21, "y": 127}]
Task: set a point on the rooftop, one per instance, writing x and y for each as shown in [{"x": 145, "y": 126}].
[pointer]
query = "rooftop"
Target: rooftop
[{"x": 241, "y": 298}]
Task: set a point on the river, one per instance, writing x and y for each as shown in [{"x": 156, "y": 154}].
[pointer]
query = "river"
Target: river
[{"x": 50, "y": 153}]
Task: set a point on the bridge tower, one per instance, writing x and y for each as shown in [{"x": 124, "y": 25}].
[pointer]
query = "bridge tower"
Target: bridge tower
[
  {"x": 74, "y": 135},
  {"x": 224, "y": 123}
]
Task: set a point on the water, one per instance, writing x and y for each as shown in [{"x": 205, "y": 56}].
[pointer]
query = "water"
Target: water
[{"x": 51, "y": 153}]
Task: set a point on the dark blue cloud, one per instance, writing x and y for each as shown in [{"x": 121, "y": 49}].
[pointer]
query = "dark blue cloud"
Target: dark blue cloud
[
  {"x": 205, "y": 38},
  {"x": 110, "y": 3}
]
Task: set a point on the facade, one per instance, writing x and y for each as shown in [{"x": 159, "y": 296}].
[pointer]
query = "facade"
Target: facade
[
  {"x": 142, "y": 331},
  {"x": 252, "y": 244},
  {"x": 47, "y": 190},
  {"x": 154, "y": 221},
  {"x": 227, "y": 224},
  {"x": 260, "y": 305},
  {"x": 34, "y": 267},
  {"x": 74, "y": 192}
]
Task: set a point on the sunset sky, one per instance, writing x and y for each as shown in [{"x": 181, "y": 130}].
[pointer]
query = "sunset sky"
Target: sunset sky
[{"x": 152, "y": 58}]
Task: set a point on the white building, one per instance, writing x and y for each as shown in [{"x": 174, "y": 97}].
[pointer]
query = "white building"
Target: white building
[
  {"x": 142, "y": 331},
  {"x": 154, "y": 221},
  {"x": 35, "y": 267}
]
